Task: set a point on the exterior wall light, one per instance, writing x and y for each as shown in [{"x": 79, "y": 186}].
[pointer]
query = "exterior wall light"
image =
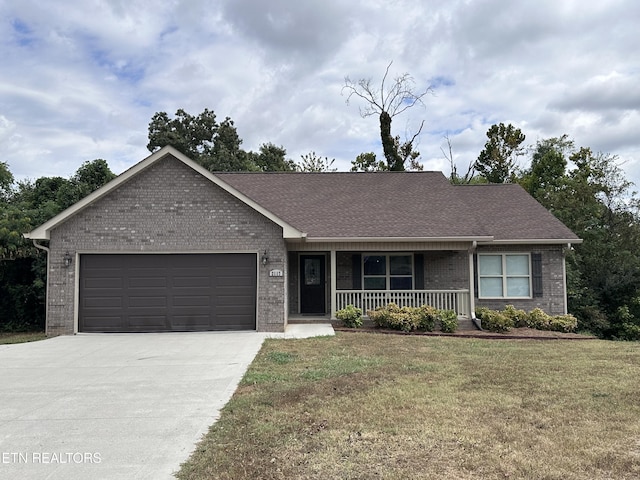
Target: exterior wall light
[
  {"x": 67, "y": 259},
  {"x": 265, "y": 258}
]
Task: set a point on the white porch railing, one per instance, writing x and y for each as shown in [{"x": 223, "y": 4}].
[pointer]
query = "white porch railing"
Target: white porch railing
[{"x": 457, "y": 300}]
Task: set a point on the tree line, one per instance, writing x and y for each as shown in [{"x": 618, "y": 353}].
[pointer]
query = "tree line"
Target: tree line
[{"x": 587, "y": 191}]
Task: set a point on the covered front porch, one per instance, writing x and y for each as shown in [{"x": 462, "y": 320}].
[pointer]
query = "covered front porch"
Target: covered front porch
[
  {"x": 321, "y": 282},
  {"x": 456, "y": 300}
]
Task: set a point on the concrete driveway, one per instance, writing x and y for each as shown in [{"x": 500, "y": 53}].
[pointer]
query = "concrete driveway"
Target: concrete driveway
[{"x": 114, "y": 406}]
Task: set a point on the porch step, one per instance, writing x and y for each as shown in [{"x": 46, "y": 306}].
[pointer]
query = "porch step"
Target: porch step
[
  {"x": 307, "y": 321},
  {"x": 465, "y": 324}
]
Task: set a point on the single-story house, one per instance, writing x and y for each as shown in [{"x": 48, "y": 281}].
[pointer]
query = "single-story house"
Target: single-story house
[{"x": 170, "y": 246}]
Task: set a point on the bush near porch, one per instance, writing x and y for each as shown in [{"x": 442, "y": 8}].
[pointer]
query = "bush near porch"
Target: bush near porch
[
  {"x": 410, "y": 319},
  {"x": 510, "y": 317}
]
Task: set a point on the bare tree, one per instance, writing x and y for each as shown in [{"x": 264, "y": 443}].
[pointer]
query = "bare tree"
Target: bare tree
[
  {"x": 455, "y": 178},
  {"x": 388, "y": 102}
]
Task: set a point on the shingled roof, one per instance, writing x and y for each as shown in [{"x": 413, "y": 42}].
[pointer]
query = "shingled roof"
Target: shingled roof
[
  {"x": 368, "y": 206},
  {"x": 399, "y": 205}
]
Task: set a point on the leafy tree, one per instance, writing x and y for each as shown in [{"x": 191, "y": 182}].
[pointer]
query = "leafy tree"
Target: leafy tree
[
  {"x": 226, "y": 155},
  {"x": 595, "y": 200},
  {"x": 6, "y": 180},
  {"x": 216, "y": 146},
  {"x": 497, "y": 161},
  {"x": 548, "y": 167},
  {"x": 193, "y": 136},
  {"x": 23, "y": 267},
  {"x": 367, "y": 162},
  {"x": 387, "y": 103},
  {"x": 272, "y": 158},
  {"x": 312, "y": 163}
]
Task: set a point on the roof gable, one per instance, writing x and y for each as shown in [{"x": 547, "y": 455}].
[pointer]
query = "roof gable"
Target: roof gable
[{"x": 43, "y": 231}]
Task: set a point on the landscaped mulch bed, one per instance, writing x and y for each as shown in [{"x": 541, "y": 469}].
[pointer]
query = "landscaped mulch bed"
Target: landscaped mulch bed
[{"x": 515, "y": 334}]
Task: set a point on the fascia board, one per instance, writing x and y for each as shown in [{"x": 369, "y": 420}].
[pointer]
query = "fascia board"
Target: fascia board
[
  {"x": 534, "y": 241},
  {"x": 399, "y": 239}
]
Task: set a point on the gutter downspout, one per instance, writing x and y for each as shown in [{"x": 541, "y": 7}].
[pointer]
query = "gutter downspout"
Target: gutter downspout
[
  {"x": 564, "y": 276},
  {"x": 472, "y": 301},
  {"x": 46, "y": 291}
]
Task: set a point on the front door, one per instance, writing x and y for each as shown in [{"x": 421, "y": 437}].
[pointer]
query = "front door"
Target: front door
[{"x": 312, "y": 284}]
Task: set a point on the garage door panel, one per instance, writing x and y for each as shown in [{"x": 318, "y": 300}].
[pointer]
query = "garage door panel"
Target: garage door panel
[
  {"x": 191, "y": 322},
  {"x": 147, "y": 301},
  {"x": 102, "y": 302},
  {"x": 192, "y": 301},
  {"x": 191, "y": 282},
  {"x": 103, "y": 282},
  {"x": 105, "y": 321},
  {"x": 148, "y": 322},
  {"x": 147, "y": 282},
  {"x": 172, "y": 292}
]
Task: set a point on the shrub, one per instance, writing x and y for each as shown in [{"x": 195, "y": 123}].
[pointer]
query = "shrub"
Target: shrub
[
  {"x": 448, "y": 321},
  {"x": 630, "y": 331},
  {"x": 381, "y": 316},
  {"x": 493, "y": 320},
  {"x": 407, "y": 319},
  {"x": 350, "y": 316},
  {"x": 519, "y": 317},
  {"x": 538, "y": 319},
  {"x": 563, "y": 323},
  {"x": 482, "y": 311},
  {"x": 426, "y": 318},
  {"x": 593, "y": 320}
]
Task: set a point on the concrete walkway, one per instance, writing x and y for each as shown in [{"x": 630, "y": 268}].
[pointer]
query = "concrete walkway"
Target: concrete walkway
[{"x": 117, "y": 406}]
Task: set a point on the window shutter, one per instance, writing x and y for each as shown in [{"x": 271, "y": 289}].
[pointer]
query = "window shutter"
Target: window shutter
[
  {"x": 536, "y": 274},
  {"x": 475, "y": 275},
  {"x": 418, "y": 271},
  {"x": 356, "y": 271}
]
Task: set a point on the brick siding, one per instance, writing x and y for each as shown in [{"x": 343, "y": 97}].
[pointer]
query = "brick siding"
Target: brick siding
[
  {"x": 552, "y": 300},
  {"x": 167, "y": 208}
]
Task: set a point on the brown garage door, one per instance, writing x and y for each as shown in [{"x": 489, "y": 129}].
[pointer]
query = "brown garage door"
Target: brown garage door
[{"x": 157, "y": 293}]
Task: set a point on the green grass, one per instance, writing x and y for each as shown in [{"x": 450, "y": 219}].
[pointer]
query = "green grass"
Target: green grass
[
  {"x": 21, "y": 337},
  {"x": 360, "y": 406}
]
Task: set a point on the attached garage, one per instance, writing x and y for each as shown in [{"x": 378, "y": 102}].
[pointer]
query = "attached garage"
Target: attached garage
[
  {"x": 167, "y": 292},
  {"x": 167, "y": 246}
]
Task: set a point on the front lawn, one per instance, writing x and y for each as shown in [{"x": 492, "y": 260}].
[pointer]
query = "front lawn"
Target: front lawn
[
  {"x": 21, "y": 337},
  {"x": 361, "y": 406}
]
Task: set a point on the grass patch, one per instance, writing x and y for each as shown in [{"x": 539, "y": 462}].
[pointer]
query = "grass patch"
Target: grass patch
[
  {"x": 21, "y": 337},
  {"x": 359, "y": 406}
]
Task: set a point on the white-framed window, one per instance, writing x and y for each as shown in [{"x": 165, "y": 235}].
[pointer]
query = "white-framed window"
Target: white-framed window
[
  {"x": 504, "y": 275},
  {"x": 392, "y": 271}
]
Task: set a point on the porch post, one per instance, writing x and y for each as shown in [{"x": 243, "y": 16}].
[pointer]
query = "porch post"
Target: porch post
[
  {"x": 472, "y": 300},
  {"x": 333, "y": 284}
]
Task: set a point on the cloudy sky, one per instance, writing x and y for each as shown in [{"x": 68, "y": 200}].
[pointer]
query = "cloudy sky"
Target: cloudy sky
[{"x": 80, "y": 79}]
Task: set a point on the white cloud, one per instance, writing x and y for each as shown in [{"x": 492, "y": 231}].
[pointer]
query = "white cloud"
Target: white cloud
[{"x": 81, "y": 79}]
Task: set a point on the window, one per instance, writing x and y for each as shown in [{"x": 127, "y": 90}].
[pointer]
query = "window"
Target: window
[
  {"x": 504, "y": 276},
  {"x": 387, "y": 272}
]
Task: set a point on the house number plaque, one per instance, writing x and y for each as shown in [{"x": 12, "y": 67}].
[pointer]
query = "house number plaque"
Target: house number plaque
[{"x": 276, "y": 273}]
